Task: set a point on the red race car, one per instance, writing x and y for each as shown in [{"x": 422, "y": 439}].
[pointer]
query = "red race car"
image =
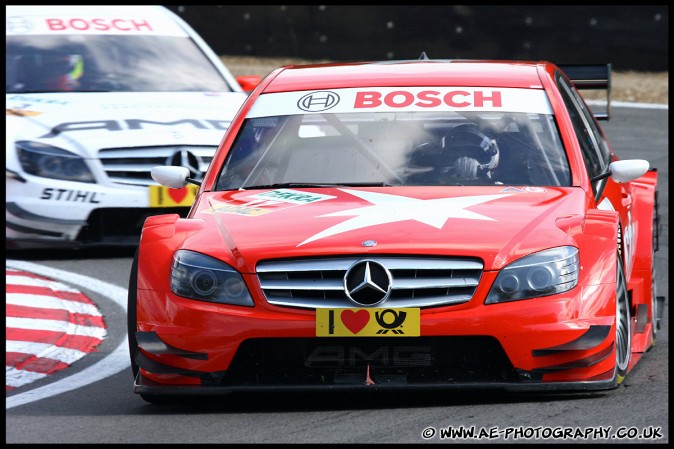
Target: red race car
[{"x": 418, "y": 223}]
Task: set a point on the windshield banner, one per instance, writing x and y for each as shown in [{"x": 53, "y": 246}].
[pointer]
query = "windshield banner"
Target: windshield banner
[{"x": 402, "y": 99}]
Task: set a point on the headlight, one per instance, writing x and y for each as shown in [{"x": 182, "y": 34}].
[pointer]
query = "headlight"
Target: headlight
[
  {"x": 540, "y": 274},
  {"x": 50, "y": 162},
  {"x": 197, "y": 276}
]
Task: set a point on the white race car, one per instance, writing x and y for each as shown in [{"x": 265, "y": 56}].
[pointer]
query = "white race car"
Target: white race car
[{"x": 96, "y": 97}]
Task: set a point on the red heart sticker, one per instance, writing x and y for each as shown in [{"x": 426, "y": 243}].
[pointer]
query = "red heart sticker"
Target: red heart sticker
[
  {"x": 355, "y": 321},
  {"x": 178, "y": 194}
]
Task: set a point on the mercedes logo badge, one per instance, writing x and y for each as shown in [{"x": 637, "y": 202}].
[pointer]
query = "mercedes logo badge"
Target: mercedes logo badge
[
  {"x": 367, "y": 283},
  {"x": 184, "y": 158}
]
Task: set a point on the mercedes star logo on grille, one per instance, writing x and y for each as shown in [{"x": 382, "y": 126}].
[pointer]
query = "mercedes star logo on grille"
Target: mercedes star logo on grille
[
  {"x": 184, "y": 158},
  {"x": 367, "y": 283}
]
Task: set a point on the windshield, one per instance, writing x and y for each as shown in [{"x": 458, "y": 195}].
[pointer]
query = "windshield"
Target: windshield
[
  {"x": 108, "y": 63},
  {"x": 397, "y": 148}
]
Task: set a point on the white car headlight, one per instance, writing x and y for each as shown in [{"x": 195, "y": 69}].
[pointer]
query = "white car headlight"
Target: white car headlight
[
  {"x": 543, "y": 273},
  {"x": 44, "y": 160},
  {"x": 197, "y": 276}
]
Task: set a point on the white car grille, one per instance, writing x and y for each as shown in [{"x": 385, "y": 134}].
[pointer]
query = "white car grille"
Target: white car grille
[{"x": 131, "y": 166}]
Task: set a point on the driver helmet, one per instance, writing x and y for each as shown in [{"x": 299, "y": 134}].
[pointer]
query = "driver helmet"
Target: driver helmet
[
  {"x": 62, "y": 71},
  {"x": 474, "y": 153}
]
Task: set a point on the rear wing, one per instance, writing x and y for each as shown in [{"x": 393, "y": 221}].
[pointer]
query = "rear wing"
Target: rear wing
[{"x": 591, "y": 77}]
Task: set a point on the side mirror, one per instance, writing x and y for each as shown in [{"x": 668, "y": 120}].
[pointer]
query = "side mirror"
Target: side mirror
[
  {"x": 171, "y": 176},
  {"x": 628, "y": 170},
  {"x": 249, "y": 82}
]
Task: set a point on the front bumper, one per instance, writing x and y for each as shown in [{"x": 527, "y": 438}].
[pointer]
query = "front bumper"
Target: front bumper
[
  {"x": 48, "y": 213},
  {"x": 145, "y": 386},
  {"x": 544, "y": 344}
]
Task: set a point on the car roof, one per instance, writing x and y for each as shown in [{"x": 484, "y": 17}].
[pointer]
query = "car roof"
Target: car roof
[{"x": 422, "y": 72}]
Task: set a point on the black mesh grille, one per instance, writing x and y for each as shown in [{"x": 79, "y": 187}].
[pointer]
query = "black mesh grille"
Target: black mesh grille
[
  {"x": 324, "y": 361},
  {"x": 121, "y": 225}
]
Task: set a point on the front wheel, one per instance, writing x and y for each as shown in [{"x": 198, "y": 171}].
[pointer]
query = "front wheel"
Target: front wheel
[
  {"x": 623, "y": 340},
  {"x": 131, "y": 313},
  {"x": 655, "y": 312},
  {"x": 159, "y": 399}
]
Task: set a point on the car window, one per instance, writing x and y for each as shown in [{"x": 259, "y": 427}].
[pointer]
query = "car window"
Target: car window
[
  {"x": 114, "y": 63},
  {"x": 397, "y": 148},
  {"x": 592, "y": 143}
]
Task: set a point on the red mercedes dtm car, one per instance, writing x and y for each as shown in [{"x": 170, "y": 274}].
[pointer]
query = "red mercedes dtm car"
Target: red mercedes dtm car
[{"x": 402, "y": 224}]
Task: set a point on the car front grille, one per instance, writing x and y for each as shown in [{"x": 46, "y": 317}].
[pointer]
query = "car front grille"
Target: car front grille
[
  {"x": 415, "y": 281},
  {"x": 131, "y": 166},
  {"x": 321, "y": 361},
  {"x": 120, "y": 226}
]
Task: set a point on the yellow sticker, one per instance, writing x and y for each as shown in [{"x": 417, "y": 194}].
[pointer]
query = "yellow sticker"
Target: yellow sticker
[
  {"x": 368, "y": 322},
  {"x": 161, "y": 196},
  {"x": 22, "y": 112}
]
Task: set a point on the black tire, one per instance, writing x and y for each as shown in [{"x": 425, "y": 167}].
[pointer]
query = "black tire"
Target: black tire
[
  {"x": 655, "y": 313},
  {"x": 131, "y": 315},
  {"x": 159, "y": 399},
  {"x": 623, "y": 341}
]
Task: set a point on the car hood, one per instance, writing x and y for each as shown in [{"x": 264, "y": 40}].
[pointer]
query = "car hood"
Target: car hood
[
  {"x": 84, "y": 122},
  {"x": 495, "y": 224}
]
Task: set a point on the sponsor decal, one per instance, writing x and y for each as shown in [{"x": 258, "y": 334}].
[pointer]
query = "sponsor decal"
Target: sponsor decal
[
  {"x": 292, "y": 196},
  {"x": 429, "y": 99},
  {"x": 18, "y": 25},
  {"x": 629, "y": 242},
  {"x": 396, "y": 99},
  {"x": 29, "y": 101},
  {"x": 353, "y": 356},
  {"x": 134, "y": 124},
  {"x": 163, "y": 105},
  {"x": 22, "y": 113},
  {"x": 75, "y": 196},
  {"x": 162, "y": 196},
  {"x": 318, "y": 101},
  {"x": 348, "y": 356},
  {"x": 82, "y": 24},
  {"x": 628, "y": 233},
  {"x": 524, "y": 189},
  {"x": 265, "y": 202},
  {"x": 22, "y": 106},
  {"x": 387, "y": 208},
  {"x": 370, "y": 322}
]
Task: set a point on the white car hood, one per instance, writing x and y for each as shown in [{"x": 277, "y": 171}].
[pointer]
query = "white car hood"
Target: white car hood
[{"x": 86, "y": 122}]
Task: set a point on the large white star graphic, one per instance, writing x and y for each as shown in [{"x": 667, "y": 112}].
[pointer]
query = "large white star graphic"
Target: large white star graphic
[{"x": 392, "y": 208}]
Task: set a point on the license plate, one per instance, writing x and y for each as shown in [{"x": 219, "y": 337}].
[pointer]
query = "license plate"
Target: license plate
[
  {"x": 161, "y": 196},
  {"x": 377, "y": 322}
]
